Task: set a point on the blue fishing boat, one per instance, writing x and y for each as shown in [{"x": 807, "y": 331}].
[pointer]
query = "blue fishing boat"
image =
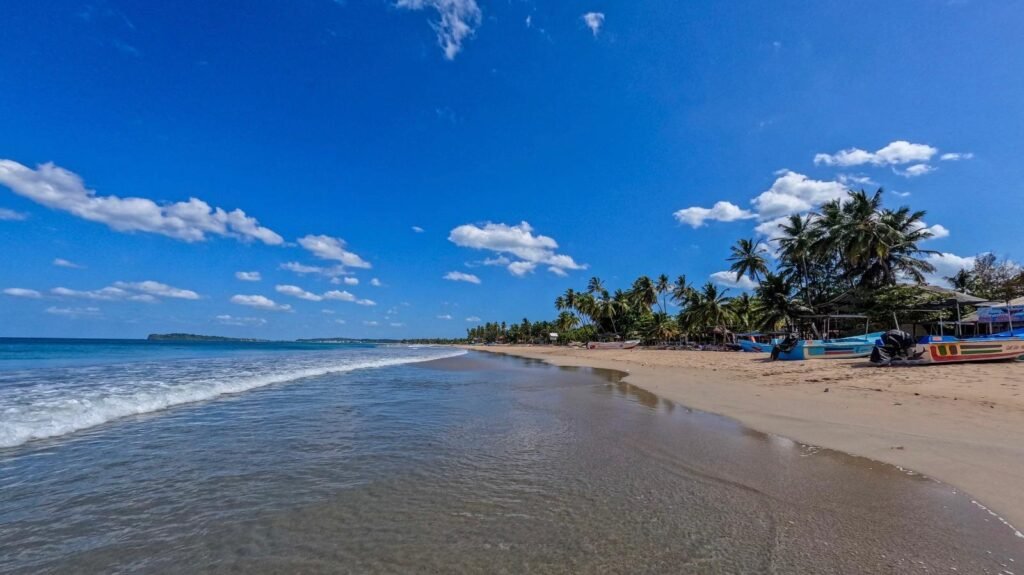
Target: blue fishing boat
[
  {"x": 756, "y": 342},
  {"x": 794, "y": 348}
]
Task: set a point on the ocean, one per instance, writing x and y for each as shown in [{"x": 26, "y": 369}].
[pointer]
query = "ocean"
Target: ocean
[{"x": 155, "y": 457}]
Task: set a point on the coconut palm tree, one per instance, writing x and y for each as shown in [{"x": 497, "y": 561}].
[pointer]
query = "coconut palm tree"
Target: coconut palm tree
[
  {"x": 748, "y": 259},
  {"x": 779, "y": 307},
  {"x": 567, "y": 321},
  {"x": 745, "y": 311},
  {"x": 707, "y": 309},
  {"x": 661, "y": 327},
  {"x": 643, "y": 294},
  {"x": 682, "y": 291},
  {"x": 595, "y": 286},
  {"x": 663, "y": 286}
]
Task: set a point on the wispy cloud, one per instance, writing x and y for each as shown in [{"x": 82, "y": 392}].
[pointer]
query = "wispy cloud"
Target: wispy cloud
[
  {"x": 226, "y": 319},
  {"x": 472, "y": 318},
  {"x": 594, "y": 21},
  {"x": 329, "y": 248},
  {"x": 63, "y": 263},
  {"x": 457, "y": 20},
  {"x": 12, "y": 216},
  {"x": 190, "y": 221},
  {"x": 418, "y": 229},
  {"x": 74, "y": 312},
  {"x": 296, "y": 291},
  {"x": 461, "y": 277},
  {"x": 23, "y": 292}
]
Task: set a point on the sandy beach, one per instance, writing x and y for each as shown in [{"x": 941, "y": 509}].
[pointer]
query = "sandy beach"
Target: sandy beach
[{"x": 961, "y": 424}]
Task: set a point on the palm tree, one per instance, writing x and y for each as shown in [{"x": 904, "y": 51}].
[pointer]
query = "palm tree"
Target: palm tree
[
  {"x": 663, "y": 286},
  {"x": 796, "y": 249},
  {"x": 962, "y": 281},
  {"x": 745, "y": 311},
  {"x": 778, "y": 306},
  {"x": 643, "y": 294},
  {"x": 748, "y": 259},
  {"x": 682, "y": 291},
  {"x": 707, "y": 310},
  {"x": 567, "y": 321},
  {"x": 595, "y": 286},
  {"x": 661, "y": 327}
]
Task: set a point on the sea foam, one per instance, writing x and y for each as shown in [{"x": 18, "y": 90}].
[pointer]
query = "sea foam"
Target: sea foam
[{"x": 47, "y": 403}]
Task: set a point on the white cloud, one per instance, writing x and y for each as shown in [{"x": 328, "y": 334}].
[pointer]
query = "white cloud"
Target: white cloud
[
  {"x": 396, "y": 324},
  {"x": 63, "y": 263},
  {"x": 259, "y": 302},
  {"x": 241, "y": 321},
  {"x": 339, "y": 295},
  {"x": 947, "y": 265},
  {"x": 518, "y": 241},
  {"x": 696, "y": 216},
  {"x": 12, "y": 216},
  {"x": 190, "y": 221},
  {"x": 371, "y": 323},
  {"x": 445, "y": 316},
  {"x": 351, "y": 281},
  {"x": 248, "y": 276},
  {"x": 594, "y": 21},
  {"x": 366, "y": 302},
  {"x": 327, "y": 311},
  {"x": 728, "y": 279},
  {"x": 328, "y": 248},
  {"x": 74, "y": 312},
  {"x": 557, "y": 271},
  {"x": 954, "y": 156},
  {"x": 472, "y": 318},
  {"x": 417, "y": 229},
  {"x": 296, "y": 291},
  {"x": 157, "y": 289},
  {"x": 900, "y": 194},
  {"x": 461, "y": 277},
  {"x": 302, "y": 269},
  {"x": 915, "y": 170},
  {"x": 792, "y": 193},
  {"x": 938, "y": 232},
  {"x": 375, "y": 282},
  {"x": 895, "y": 153},
  {"x": 520, "y": 269},
  {"x": 498, "y": 261},
  {"x": 109, "y": 293},
  {"x": 457, "y": 21},
  {"x": 340, "y": 321},
  {"x": 23, "y": 292}
]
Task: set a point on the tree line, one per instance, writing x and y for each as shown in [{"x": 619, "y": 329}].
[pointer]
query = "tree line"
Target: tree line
[{"x": 852, "y": 247}]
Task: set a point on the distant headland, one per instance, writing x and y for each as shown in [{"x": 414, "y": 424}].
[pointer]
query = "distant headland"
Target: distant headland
[{"x": 196, "y": 337}]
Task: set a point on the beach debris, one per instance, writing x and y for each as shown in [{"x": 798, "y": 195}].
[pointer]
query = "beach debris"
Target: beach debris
[
  {"x": 826, "y": 390},
  {"x": 900, "y": 447}
]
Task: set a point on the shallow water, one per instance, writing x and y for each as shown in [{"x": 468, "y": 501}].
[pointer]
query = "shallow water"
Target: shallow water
[{"x": 472, "y": 464}]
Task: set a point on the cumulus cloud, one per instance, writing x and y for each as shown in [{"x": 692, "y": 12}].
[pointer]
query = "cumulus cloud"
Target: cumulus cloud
[
  {"x": 63, "y": 263},
  {"x": 518, "y": 241},
  {"x": 339, "y": 296},
  {"x": 915, "y": 170},
  {"x": 328, "y": 248},
  {"x": 457, "y": 20},
  {"x": 74, "y": 312},
  {"x": 190, "y": 221},
  {"x": 351, "y": 281},
  {"x": 157, "y": 289},
  {"x": 792, "y": 193},
  {"x": 259, "y": 302},
  {"x": 947, "y": 265},
  {"x": 375, "y": 282},
  {"x": 729, "y": 279},
  {"x": 23, "y": 292},
  {"x": 894, "y": 153},
  {"x": 696, "y": 216},
  {"x": 296, "y": 291},
  {"x": 241, "y": 321},
  {"x": 461, "y": 277},
  {"x": 594, "y": 21},
  {"x": 248, "y": 276},
  {"x": 11, "y": 215},
  {"x": 938, "y": 231}
]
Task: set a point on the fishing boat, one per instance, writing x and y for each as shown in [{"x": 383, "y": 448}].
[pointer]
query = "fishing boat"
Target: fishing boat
[
  {"x": 628, "y": 344},
  {"x": 899, "y": 348},
  {"x": 756, "y": 342},
  {"x": 792, "y": 349}
]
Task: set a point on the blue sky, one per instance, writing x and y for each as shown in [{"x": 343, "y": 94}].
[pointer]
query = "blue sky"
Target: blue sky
[{"x": 633, "y": 137}]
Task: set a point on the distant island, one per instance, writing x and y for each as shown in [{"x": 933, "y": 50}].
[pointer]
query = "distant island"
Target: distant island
[{"x": 196, "y": 337}]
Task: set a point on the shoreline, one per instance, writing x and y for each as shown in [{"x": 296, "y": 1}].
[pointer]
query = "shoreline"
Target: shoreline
[{"x": 959, "y": 424}]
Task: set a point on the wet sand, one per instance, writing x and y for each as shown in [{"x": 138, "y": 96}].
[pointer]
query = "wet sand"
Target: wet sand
[{"x": 961, "y": 424}]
